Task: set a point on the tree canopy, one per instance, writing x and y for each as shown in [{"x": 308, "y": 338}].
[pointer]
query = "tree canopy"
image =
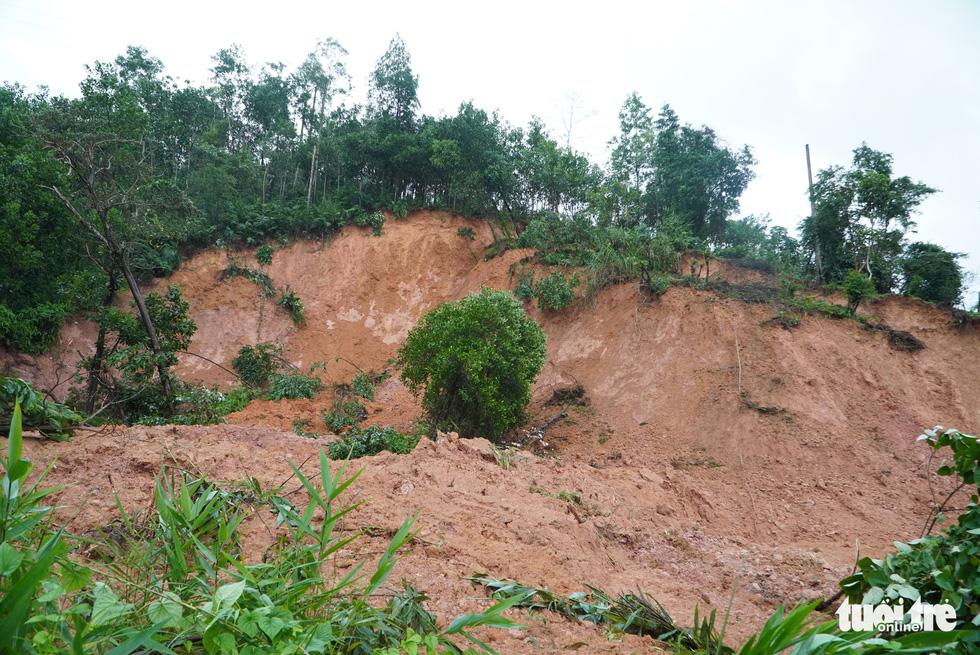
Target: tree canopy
[
  {"x": 140, "y": 166},
  {"x": 862, "y": 216}
]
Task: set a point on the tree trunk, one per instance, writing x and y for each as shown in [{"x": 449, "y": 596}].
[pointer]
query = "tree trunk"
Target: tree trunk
[
  {"x": 98, "y": 359},
  {"x": 309, "y": 185},
  {"x": 168, "y": 390}
]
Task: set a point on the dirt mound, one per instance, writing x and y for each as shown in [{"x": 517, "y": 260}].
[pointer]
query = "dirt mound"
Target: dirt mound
[{"x": 670, "y": 478}]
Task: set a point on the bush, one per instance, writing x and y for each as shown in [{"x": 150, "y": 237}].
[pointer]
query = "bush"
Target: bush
[
  {"x": 475, "y": 359},
  {"x": 858, "y": 288},
  {"x": 525, "y": 289},
  {"x": 264, "y": 255},
  {"x": 346, "y": 414},
  {"x": 255, "y": 365},
  {"x": 554, "y": 292},
  {"x": 292, "y": 304},
  {"x": 294, "y": 385},
  {"x": 936, "y": 569},
  {"x": 932, "y": 274},
  {"x": 199, "y": 405},
  {"x": 371, "y": 441},
  {"x": 176, "y": 576},
  {"x": 363, "y": 386},
  {"x": 51, "y": 419}
]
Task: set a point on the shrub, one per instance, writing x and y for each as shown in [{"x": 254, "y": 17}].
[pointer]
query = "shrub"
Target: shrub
[
  {"x": 858, "y": 288},
  {"x": 525, "y": 289},
  {"x": 175, "y": 577},
  {"x": 371, "y": 441},
  {"x": 475, "y": 359},
  {"x": 554, "y": 292},
  {"x": 936, "y": 569},
  {"x": 235, "y": 269},
  {"x": 292, "y": 304},
  {"x": 52, "y": 419},
  {"x": 199, "y": 405},
  {"x": 264, "y": 255},
  {"x": 932, "y": 274},
  {"x": 294, "y": 385},
  {"x": 346, "y": 414},
  {"x": 659, "y": 285},
  {"x": 363, "y": 386},
  {"x": 255, "y": 365}
]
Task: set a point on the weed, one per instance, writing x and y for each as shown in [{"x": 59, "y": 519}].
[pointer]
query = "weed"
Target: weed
[
  {"x": 345, "y": 414},
  {"x": 503, "y": 456},
  {"x": 292, "y": 304},
  {"x": 294, "y": 385},
  {"x": 174, "y": 578},
  {"x": 264, "y": 255},
  {"x": 256, "y": 364},
  {"x": 371, "y": 440},
  {"x": 301, "y": 427}
]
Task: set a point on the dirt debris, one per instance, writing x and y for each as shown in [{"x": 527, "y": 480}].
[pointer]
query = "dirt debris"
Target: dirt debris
[{"x": 685, "y": 490}]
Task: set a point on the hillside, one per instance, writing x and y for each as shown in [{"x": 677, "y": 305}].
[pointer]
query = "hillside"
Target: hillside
[{"x": 715, "y": 449}]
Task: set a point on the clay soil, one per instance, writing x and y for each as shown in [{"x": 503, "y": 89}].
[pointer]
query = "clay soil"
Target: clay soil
[{"x": 713, "y": 450}]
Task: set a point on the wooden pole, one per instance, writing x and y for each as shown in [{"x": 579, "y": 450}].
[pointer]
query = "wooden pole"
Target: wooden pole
[{"x": 813, "y": 213}]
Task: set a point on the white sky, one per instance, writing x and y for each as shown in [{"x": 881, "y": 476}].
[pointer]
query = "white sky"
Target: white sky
[{"x": 903, "y": 75}]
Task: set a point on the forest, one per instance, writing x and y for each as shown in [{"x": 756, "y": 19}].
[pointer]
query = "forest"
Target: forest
[{"x": 101, "y": 191}]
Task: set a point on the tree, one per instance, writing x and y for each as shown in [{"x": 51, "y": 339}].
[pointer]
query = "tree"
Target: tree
[
  {"x": 475, "y": 359},
  {"x": 112, "y": 191},
  {"x": 862, "y": 217},
  {"x": 631, "y": 161},
  {"x": 232, "y": 75},
  {"x": 394, "y": 89},
  {"x": 932, "y": 273},
  {"x": 695, "y": 177},
  {"x": 44, "y": 274}
]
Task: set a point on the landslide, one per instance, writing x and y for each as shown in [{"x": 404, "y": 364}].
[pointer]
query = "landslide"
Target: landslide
[{"x": 716, "y": 448}]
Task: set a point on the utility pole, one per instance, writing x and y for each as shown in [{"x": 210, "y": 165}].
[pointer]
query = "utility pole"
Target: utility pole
[{"x": 813, "y": 213}]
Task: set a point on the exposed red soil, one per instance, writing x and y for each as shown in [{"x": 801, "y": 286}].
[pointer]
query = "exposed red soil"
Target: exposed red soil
[{"x": 689, "y": 488}]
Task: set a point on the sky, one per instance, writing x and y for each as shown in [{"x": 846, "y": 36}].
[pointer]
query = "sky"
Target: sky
[{"x": 901, "y": 75}]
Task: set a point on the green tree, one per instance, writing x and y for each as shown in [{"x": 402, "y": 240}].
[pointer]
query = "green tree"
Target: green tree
[
  {"x": 932, "y": 273},
  {"x": 631, "y": 159},
  {"x": 44, "y": 271},
  {"x": 110, "y": 188},
  {"x": 475, "y": 359},
  {"x": 394, "y": 88},
  {"x": 554, "y": 178},
  {"x": 857, "y": 287},
  {"x": 862, "y": 216},
  {"x": 695, "y": 177},
  {"x": 232, "y": 77}
]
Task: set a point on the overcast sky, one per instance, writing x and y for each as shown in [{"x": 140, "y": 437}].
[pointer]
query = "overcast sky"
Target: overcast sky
[{"x": 902, "y": 75}]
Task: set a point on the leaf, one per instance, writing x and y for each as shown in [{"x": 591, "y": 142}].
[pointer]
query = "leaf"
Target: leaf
[
  {"x": 10, "y": 559},
  {"x": 138, "y": 640},
  {"x": 50, "y": 591},
  {"x": 165, "y": 610},
  {"x": 218, "y": 640},
  {"x": 873, "y": 596},
  {"x": 106, "y": 607},
  {"x": 908, "y": 591},
  {"x": 74, "y": 576},
  {"x": 248, "y": 622},
  {"x": 489, "y": 618},
  {"x": 271, "y": 625},
  {"x": 227, "y": 595}
]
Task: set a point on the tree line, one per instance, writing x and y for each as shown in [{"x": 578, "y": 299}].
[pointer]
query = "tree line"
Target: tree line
[{"x": 110, "y": 187}]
